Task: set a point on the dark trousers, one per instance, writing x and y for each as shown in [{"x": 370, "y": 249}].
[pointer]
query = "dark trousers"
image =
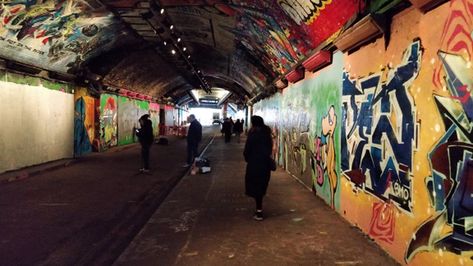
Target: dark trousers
[
  {"x": 192, "y": 152},
  {"x": 259, "y": 202},
  {"x": 228, "y": 136},
  {"x": 145, "y": 156}
]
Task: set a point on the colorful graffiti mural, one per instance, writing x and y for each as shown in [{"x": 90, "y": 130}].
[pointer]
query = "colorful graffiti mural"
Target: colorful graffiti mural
[
  {"x": 82, "y": 140},
  {"x": 154, "y": 117},
  {"x": 84, "y": 122},
  {"x": 450, "y": 186},
  {"x": 325, "y": 149},
  {"x": 323, "y": 18},
  {"x": 129, "y": 111},
  {"x": 264, "y": 37},
  {"x": 406, "y": 136},
  {"x": 305, "y": 119},
  {"x": 379, "y": 131},
  {"x": 56, "y": 35},
  {"x": 108, "y": 121}
]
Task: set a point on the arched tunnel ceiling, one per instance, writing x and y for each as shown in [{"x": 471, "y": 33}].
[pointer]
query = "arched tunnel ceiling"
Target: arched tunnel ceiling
[{"x": 241, "y": 45}]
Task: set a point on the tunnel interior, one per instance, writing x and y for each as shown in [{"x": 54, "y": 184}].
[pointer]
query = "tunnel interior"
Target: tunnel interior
[{"x": 369, "y": 102}]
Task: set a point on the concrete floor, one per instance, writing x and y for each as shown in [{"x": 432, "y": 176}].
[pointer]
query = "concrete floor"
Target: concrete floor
[
  {"x": 100, "y": 211},
  {"x": 88, "y": 212},
  {"x": 207, "y": 220}
]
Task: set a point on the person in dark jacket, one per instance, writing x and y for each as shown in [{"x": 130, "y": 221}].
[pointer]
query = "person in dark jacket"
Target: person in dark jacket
[
  {"x": 227, "y": 129},
  {"x": 145, "y": 136},
  {"x": 194, "y": 136},
  {"x": 257, "y": 153},
  {"x": 238, "y": 129}
]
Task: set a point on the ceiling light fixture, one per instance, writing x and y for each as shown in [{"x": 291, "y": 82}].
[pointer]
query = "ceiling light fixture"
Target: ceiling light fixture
[
  {"x": 173, "y": 51},
  {"x": 161, "y": 11},
  {"x": 178, "y": 39},
  {"x": 184, "y": 49},
  {"x": 171, "y": 27}
]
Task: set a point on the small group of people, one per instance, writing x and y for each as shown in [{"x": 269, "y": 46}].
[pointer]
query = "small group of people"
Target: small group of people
[
  {"x": 229, "y": 128},
  {"x": 146, "y": 138},
  {"x": 257, "y": 154}
]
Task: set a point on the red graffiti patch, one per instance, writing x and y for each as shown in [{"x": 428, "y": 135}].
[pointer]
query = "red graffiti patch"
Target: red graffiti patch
[{"x": 382, "y": 222}]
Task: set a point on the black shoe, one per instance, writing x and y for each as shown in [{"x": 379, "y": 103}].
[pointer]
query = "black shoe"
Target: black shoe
[{"x": 258, "y": 216}]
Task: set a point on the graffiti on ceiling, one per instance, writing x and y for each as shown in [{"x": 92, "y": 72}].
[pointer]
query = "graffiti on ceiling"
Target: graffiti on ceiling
[
  {"x": 57, "y": 35},
  {"x": 249, "y": 43}
]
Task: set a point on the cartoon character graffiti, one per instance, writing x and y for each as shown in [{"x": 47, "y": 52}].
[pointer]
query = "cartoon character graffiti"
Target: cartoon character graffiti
[
  {"x": 379, "y": 131},
  {"x": 323, "y": 158}
]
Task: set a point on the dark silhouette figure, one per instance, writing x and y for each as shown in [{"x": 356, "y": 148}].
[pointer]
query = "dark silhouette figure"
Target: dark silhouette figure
[
  {"x": 227, "y": 130},
  {"x": 194, "y": 136},
  {"x": 145, "y": 136},
  {"x": 238, "y": 129},
  {"x": 257, "y": 154}
]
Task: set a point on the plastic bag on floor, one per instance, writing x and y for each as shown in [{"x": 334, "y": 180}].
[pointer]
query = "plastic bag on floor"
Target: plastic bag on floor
[{"x": 205, "y": 169}]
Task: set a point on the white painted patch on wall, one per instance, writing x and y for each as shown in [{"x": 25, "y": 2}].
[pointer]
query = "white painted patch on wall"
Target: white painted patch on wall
[{"x": 37, "y": 125}]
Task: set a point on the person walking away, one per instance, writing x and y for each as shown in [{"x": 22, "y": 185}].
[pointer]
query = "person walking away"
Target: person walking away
[
  {"x": 257, "y": 153},
  {"x": 194, "y": 136},
  {"x": 227, "y": 130},
  {"x": 145, "y": 137},
  {"x": 231, "y": 125},
  {"x": 238, "y": 129}
]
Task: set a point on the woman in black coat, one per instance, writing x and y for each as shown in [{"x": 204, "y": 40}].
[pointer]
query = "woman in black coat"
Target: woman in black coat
[{"x": 258, "y": 148}]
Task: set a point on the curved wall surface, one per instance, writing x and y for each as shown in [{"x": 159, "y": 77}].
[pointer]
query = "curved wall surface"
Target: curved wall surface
[{"x": 394, "y": 153}]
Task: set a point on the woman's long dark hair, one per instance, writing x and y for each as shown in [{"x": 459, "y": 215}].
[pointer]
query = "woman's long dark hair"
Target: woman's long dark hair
[{"x": 257, "y": 124}]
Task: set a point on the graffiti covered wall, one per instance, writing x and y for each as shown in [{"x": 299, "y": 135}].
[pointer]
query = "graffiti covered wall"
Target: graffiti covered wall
[
  {"x": 108, "y": 121},
  {"x": 84, "y": 122},
  {"x": 309, "y": 133},
  {"x": 36, "y": 122},
  {"x": 403, "y": 153},
  {"x": 129, "y": 111},
  {"x": 407, "y": 151},
  {"x": 154, "y": 117}
]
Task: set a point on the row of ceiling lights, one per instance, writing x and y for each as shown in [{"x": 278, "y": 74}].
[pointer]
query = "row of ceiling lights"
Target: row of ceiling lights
[{"x": 178, "y": 48}]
